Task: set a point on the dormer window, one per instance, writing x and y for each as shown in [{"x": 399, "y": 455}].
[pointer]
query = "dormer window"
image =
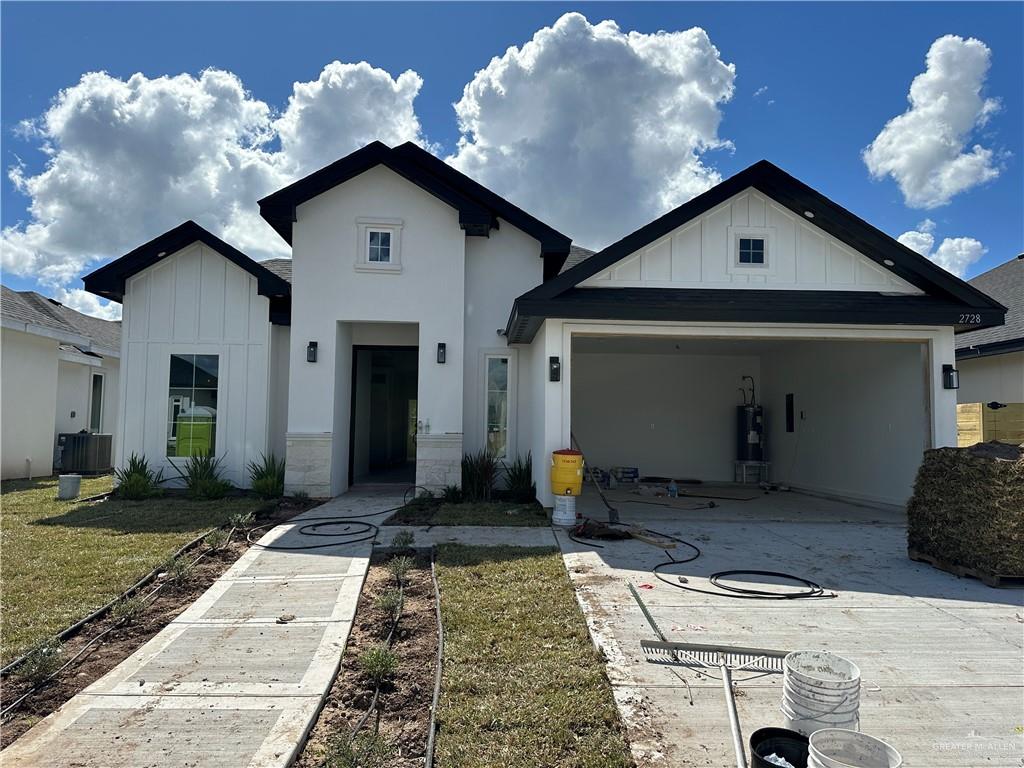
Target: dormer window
[
  {"x": 379, "y": 245},
  {"x": 751, "y": 251}
]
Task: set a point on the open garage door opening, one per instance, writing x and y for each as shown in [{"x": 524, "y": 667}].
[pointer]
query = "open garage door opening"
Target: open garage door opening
[{"x": 844, "y": 418}]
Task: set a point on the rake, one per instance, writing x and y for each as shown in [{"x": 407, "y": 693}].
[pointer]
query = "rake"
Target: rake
[{"x": 726, "y": 659}]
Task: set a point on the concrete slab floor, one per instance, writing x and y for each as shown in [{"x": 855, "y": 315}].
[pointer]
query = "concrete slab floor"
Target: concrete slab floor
[
  {"x": 941, "y": 657},
  {"x": 224, "y": 684}
]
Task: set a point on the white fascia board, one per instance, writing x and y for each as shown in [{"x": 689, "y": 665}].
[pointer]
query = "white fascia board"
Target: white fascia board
[{"x": 49, "y": 333}]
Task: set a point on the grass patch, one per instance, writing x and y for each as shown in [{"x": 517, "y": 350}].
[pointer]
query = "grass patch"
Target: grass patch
[
  {"x": 64, "y": 559},
  {"x": 522, "y": 683},
  {"x": 470, "y": 513}
]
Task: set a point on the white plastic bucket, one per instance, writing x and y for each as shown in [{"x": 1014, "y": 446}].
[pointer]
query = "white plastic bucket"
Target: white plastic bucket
[
  {"x": 842, "y": 748},
  {"x": 822, "y": 670},
  {"x": 69, "y": 486},
  {"x": 818, "y": 693},
  {"x": 812, "y": 701},
  {"x": 807, "y": 724},
  {"x": 564, "y": 513}
]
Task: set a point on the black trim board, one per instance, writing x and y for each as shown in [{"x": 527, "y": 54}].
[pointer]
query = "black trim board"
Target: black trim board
[
  {"x": 988, "y": 350},
  {"x": 797, "y": 197},
  {"x": 479, "y": 208},
  {"x": 109, "y": 280},
  {"x": 736, "y": 305}
]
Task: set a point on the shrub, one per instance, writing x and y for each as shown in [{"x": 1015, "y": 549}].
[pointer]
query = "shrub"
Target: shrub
[
  {"x": 301, "y": 496},
  {"x": 217, "y": 539},
  {"x": 136, "y": 480},
  {"x": 366, "y": 750},
  {"x": 400, "y": 567},
  {"x": 267, "y": 477},
  {"x": 241, "y": 519},
  {"x": 519, "y": 479},
  {"x": 378, "y": 662},
  {"x": 127, "y": 609},
  {"x": 479, "y": 473},
  {"x": 178, "y": 572},
  {"x": 41, "y": 662},
  {"x": 451, "y": 494},
  {"x": 202, "y": 476},
  {"x": 403, "y": 540},
  {"x": 388, "y": 601}
]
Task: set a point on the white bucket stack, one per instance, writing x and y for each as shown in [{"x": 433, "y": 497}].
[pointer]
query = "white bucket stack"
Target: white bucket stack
[
  {"x": 839, "y": 748},
  {"x": 564, "y": 513},
  {"x": 820, "y": 690}
]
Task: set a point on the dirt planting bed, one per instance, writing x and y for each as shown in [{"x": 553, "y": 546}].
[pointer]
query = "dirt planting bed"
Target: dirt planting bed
[
  {"x": 395, "y": 734},
  {"x": 177, "y": 591}
]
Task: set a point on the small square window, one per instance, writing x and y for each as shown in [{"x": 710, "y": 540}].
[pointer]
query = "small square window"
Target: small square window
[
  {"x": 751, "y": 250},
  {"x": 379, "y": 247}
]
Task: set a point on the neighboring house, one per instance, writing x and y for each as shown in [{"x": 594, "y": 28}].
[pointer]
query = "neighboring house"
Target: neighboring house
[
  {"x": 991, "y": 363},
  {"x": 422, "y": 316},
  {"x": 60, "y": 374}
]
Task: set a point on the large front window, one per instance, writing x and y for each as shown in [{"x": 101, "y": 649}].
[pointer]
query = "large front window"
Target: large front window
[
  {"x": 192, "y": 405},
  {"x": 497, "y": 406}
]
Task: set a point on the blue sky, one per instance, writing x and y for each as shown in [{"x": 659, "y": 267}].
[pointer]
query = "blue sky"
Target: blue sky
[{"x": 834, "y": 74}]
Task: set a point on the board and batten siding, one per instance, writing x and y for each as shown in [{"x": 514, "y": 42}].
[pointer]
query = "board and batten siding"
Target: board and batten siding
[
  {"x": 701, "y": 254},
  {"x": 195, "y": 302}
]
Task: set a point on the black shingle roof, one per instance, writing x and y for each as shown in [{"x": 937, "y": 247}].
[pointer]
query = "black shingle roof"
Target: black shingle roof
[
  {"x": 280, "y": 267},
  {"x": 35, "y": 309},
  {"x": 1005, "y": 284}
]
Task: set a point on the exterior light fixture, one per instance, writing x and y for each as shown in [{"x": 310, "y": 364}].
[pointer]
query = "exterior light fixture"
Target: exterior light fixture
[
  {"x": 809, "y": 214},
  {"x": 311, "y": 352},
  {"x": 889, "y": 262},
  {"x": 554, "y": 369},
  {"x": 950, "y": 377},
  {"x": 442, "y": 351}
]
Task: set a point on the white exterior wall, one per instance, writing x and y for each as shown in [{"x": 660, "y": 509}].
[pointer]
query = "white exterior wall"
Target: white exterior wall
[
  {"x": 195, "y": 302},
  {"x": 73, "y": 396},
  {"x": 28, "y": 393},
  {"x": 996, "y": 377},
  {"x": 668, "y": 414},
  {"x": 701, "y": 254},
  {"x": 330, "y": 294},
  {"x": 498, "y": 269}
]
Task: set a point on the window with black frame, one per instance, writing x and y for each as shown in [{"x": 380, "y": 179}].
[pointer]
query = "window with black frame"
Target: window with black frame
[{"x": 192, "y": 405}]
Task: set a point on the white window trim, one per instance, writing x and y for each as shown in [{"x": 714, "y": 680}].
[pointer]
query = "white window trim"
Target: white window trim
[
  {"x": 734, "y": 266},
  {"x": 511, "y": 450},
  {"x": 365, "y": 225},
  {"x": 175, "y": 349},
  {"x": 103, "y": 397}
]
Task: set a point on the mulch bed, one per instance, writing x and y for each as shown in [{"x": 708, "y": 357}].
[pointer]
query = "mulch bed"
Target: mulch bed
[
  {"x": 122, "y": 642},
  {"x": 405, "y": 699}
]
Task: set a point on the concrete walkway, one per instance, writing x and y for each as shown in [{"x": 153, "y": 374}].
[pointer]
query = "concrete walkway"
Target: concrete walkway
[{"x": 225, "y": 684}]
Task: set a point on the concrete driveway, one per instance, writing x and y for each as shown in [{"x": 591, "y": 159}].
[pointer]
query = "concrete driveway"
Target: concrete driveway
[{"x": 941, "y": 657}]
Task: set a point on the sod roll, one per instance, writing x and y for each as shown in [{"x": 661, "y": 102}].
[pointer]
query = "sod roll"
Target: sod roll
[{"x": 968, "y": 508}]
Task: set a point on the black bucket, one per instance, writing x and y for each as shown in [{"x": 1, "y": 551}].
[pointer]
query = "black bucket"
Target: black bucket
[{"x": 785, "y": 743}]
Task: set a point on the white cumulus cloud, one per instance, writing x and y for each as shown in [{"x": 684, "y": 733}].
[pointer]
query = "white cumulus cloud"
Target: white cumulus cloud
[
  {"x": 129, "y": 159},
  {"x": 954, "y": 254},
  {"x": 925, "y": 149},
  {"x": 593, "y": 129},
  {"x": 87, "y": 303}
]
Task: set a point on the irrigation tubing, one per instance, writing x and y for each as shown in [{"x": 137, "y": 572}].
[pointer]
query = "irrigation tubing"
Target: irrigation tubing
[{"x": 437, "y": 668}]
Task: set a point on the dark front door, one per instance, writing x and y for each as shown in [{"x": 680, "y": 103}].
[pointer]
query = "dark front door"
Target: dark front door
[{"x": 383, "y": 445}]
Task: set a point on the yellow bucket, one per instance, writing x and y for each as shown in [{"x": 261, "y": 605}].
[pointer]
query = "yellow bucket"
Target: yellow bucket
[{"x": 566, "y": 472}]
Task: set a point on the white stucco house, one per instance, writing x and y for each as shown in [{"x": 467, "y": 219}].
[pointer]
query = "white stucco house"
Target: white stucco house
[
  {"x": 60, "y": 375},
  {"x": 422, "y": 316}
]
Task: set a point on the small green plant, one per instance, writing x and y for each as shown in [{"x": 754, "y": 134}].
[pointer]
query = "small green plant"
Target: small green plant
[
  {"x": 267, "y": 477},
  {"x": 41, "y": 662},
  {"x": 217, "y": 539},
  {"x": 388, "y": 601},
  {"x": 519, "y": 479},
  {"x": 301, "y": 497},
  {"x": 400, "y": 567},
  {"x": 128, "y": 609},
  {"x": 479, "y": 473},
  {"x": 365, "y": 750},
  {"x": 378, "y": 662},
  {"x": 136, "y": 480},
  {"x": 202, "y": 476},
  {"x": 241, "y": 520},
  {"x": 451, "y": 494},
  {"x": 178, "y": 572},
  {"x": 403, "y": 539}
]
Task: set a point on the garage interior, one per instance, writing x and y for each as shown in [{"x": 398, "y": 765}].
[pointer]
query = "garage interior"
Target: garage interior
[{"x": 844, "y": 418}]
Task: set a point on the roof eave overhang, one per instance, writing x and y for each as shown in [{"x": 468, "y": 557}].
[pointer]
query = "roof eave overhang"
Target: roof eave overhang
[{"x": 1003, "y": 347}]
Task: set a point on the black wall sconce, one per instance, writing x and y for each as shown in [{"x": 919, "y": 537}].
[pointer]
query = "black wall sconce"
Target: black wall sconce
[
  {"x": 311, "y": 352},
  {"x": 554, "y": 369},
  {"x": 950, "y": 377},
  {"x": 442, "y": 352}
]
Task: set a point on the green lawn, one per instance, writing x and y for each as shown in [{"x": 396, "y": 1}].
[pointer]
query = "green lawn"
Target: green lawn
[
  {"x": 523, "y": 686},
  {"x": 64, "y": 559},
  {"x": 470, "y": 513}
]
